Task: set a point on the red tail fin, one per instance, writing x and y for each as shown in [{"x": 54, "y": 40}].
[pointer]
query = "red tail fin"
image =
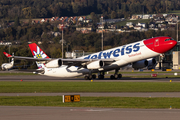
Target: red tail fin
[
  {"x": 7, "y": 55},
  {"x": 36, "y": 51}
]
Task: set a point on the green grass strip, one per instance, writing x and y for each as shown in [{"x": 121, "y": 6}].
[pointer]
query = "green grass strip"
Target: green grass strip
[
  {"x": 109, "y": 102},
  {"x": 55, "y": 87}
]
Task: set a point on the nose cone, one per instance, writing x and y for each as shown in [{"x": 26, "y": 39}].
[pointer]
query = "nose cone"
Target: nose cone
[
  {"x": 166, "y": 46},
  {"x": 173, "y": 43},
  {"x": 160, "y": 44}
]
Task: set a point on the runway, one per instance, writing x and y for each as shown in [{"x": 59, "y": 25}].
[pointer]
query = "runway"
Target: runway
[
  {"x": 73, "y": 113},
  {"x": 69, "y": 113},
  {"x": 79, "y": 79}
]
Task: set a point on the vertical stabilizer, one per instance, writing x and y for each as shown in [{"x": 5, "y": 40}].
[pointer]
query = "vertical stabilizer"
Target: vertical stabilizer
[{"x": 38, "y": 53}]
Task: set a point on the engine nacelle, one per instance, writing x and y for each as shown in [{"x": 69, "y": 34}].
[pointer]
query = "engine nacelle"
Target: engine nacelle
[
  {"x": 151, "y": 63},
  {"x": 140, "y": 64},
  {"x": 95, "y": 65},
  {"x": 54, "y": 63}
]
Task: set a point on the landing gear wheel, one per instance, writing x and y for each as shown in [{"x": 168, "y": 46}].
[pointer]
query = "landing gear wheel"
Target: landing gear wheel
[
  {"x": 119, "y": 75},
  {"x": 90, "y": 77},
  {"x": 112, "y": 77},
  {"x": 86, "y": 77},
  {"x": 93, "y": 76},
  {"x": 100, "y": 76},
  {"x": 115, "y": 76}
]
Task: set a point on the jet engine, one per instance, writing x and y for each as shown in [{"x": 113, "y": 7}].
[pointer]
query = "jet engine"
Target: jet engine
[
  {"x": 54, "y": 63},
  {"x": 95, "y": 64},
  {"x": 151, "y": 63},
  {"x": 140, "y": 64}
]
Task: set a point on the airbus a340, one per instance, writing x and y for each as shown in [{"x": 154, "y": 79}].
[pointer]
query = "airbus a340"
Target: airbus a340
[{"x": 137, "y": 54}]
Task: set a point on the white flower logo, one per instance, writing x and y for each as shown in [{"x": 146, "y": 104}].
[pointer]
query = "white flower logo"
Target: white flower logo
[{"x": 39, "y": 54}]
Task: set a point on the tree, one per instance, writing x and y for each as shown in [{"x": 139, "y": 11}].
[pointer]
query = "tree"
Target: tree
[
  {"x": 92, "y": 14},
  {"x": 16, "y": 22},
  {"x": 27, "y": 12},
  {"x": 43, "y": 12},
  {"x": 56, "y": 29},
  {"x": 113, "y": 15}
]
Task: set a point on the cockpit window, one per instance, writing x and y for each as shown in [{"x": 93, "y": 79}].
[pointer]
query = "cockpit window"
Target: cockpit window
[{"x": 169, "y": 39}]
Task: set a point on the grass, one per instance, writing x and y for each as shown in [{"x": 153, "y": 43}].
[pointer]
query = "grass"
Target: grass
[
  {"x": 177, "y": 12},
  {"x": 96, "y": 86},
  {"x": 112, "y": 102},
  {"x": 174, "y": 11}
]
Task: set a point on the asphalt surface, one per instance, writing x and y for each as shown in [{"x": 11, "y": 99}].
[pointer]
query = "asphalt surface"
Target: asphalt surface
[
  {"x": 73, "y": 113},
  {"x": 78, "y": 79}
]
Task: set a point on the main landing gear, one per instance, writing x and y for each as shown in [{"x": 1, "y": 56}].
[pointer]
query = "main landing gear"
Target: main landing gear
[
  {"x": 89, "y": 77},
  {"x": 101, "y": 76},
  {"x": 93, "y": 76},
  {"x": 116, "y": 75}
]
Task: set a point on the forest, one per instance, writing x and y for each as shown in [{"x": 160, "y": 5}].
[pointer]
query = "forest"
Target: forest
[{"x": 9, "y": 9}]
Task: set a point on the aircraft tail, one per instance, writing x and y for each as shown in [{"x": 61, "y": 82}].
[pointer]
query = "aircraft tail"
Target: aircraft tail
[
  {"x": 38, "y": 53},
  {"x": 9, "y": 56}
]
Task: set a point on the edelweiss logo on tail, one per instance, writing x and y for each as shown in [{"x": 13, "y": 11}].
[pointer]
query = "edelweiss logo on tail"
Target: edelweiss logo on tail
[{"x": 39, "y": 53}]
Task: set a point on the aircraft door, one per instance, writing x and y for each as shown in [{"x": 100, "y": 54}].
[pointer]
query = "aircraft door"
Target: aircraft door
[{"x": 156, "y": 43}]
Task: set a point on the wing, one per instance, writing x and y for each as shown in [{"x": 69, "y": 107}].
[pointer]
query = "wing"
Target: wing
[
  {"x": 85, "y": 62},
  {"x": 27, "y": 58},
  {"x": 68, "y": 62}
]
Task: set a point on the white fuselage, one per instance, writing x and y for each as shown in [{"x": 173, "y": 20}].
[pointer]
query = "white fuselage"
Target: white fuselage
[
  {"x": 122, "y": 55},
  {"x": 6, "y": 66}
]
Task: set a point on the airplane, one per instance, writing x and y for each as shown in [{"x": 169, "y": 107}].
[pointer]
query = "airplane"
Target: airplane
[
  {"x": 139, "y": 54},
  {"x": 7, "y": 66}
]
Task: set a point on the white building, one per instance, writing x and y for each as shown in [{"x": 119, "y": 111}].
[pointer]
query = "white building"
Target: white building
[
  {"x": 146, "y": 17},
  {"x": 141, "y": 24}
]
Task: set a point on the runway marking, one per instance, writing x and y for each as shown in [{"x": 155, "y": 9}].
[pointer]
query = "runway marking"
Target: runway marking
[{"x": 91, "y": 110}]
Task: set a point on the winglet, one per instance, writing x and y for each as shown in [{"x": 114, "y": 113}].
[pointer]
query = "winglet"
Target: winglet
[{"x": 7, "y": 55}]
